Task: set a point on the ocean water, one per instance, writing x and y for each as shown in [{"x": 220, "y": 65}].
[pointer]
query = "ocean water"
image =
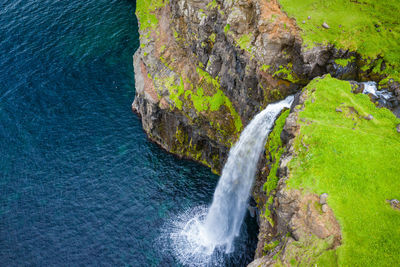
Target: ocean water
[{"x": 80, "y": 184}]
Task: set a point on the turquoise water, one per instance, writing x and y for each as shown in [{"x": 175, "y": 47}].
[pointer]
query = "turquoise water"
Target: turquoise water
[{"x": 80, "y": 184}]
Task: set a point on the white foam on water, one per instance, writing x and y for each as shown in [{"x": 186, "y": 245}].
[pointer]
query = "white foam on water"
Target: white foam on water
[{"x": 370, "y": 88}]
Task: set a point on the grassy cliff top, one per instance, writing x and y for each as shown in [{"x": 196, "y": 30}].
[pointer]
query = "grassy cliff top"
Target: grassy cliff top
[
  {"x": 356, "y": 161},
  {"x": 370, "y": 27}
]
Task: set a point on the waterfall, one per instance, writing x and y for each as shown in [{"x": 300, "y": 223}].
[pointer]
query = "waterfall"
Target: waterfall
[
  {"x": 225, "y": 216},
  {"x": 218, "y": 227}
]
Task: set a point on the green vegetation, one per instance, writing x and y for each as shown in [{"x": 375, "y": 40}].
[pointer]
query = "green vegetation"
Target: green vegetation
[
  {"x": 175, "y": 89},
  {"x": 244, "y": 42},
  {"x": 215, "y": 101},
  {"x": 206, "y": 98},
  {"x": 369, "y": 27},
  {"x": 184, "y": 147},
  {"x": 145, "y": 11},
  {"x": 265, "y": 67},
  {"x": 356, "y": 161},
  {"x": 311, "y": 251},
  {"x": 343, "y": 62},
  {"x": 274, "y": 150},
  {"x": 286, "y": 73},
  {"x": 213, "y": 4},
  {"x": 226, "y": 28},
  {"x": 212, "y": 37},
  {"x": 270, "y": 246}
]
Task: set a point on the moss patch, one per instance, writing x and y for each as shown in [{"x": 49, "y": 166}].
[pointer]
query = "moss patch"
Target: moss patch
[
  {"x": 286, "y": 73},
  {"x": 217, "y": 99},
  {"x": 244, "y": 42},
  {"x": 311, "y": 251},
  {"x": 369, "y": 27},
  {"x": 274, "y": 150},
  {"x": 343, "y": 62},
  {"x": 145, "y": 11},
  {"x": 356, "y": 161}
]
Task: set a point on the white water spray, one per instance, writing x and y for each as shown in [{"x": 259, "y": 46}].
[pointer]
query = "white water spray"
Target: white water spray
[
  {"x": 201, "y": 234},
  {"x": 224, "y": 219},
  {"x": 370, "y": 88}
]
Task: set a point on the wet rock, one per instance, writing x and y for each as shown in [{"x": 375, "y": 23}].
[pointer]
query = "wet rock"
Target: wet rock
[
  {"x": 322, "y": 198},
  {"x": 357, "y": 88},
  {"x": 252, "y": 211},
  {"x": 339, "y": 110},
  {"x": 369, "y": 117},
  {"x": 325, "y": 25}
]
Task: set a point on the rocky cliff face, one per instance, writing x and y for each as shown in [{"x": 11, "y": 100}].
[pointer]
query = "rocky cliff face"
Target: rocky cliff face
[
  {"x": 295, "y": 226},
  {"x": 205, "y": 68}
]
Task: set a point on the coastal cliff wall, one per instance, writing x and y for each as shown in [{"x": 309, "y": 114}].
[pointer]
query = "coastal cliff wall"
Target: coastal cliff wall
[{"x": 205, "y": 68}]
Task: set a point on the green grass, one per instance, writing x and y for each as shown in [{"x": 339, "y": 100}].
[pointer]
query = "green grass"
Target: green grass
[
  {"x": 274, "y": 148},
  {"x": 355, "y": 161},
  {"x": 145, "y": 11},
  {"x": 343, "y": 62},
  {"x": 357, "y": 20}
]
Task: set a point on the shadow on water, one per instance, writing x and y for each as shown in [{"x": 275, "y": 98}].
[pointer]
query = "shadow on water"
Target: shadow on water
[{"x": 80, "y": 183}]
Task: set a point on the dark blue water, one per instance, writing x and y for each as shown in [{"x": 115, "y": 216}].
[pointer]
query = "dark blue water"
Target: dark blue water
[{"x": 79, "y": 182}]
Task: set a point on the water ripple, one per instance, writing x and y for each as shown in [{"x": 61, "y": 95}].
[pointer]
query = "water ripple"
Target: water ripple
[{"x": 80, "y": 184}]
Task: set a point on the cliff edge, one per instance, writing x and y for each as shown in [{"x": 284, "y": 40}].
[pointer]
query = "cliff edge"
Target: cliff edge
[{"x": 205, "y": 68}]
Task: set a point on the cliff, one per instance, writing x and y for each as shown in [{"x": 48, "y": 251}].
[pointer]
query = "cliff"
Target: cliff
[
  {"x": 205, "y": 68},
  {"x": 330, "y": 196}
]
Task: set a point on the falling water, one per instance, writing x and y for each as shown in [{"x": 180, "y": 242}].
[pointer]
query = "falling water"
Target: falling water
[{"x": 206, "y": 230}]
